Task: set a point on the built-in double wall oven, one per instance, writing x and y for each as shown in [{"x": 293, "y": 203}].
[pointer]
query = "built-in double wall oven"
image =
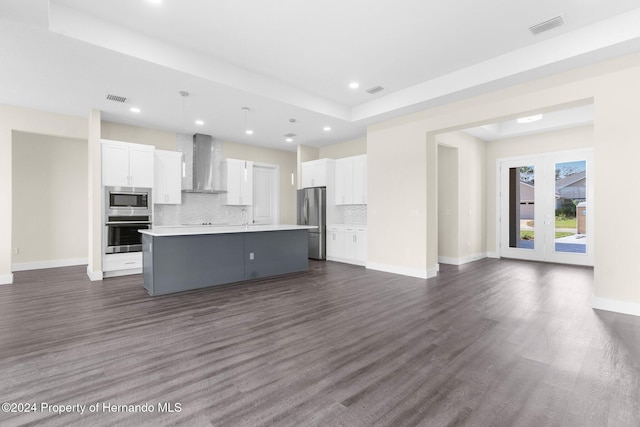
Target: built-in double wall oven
[{"x": 127, "y": 210}]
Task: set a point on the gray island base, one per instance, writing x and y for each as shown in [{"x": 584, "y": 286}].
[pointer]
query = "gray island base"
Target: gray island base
[{"x": 181, "y": 259}]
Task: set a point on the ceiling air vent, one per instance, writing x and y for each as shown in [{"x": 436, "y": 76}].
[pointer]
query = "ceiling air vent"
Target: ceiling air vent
[
  {"x": 547, "y": 25},
  {"x": 375, "y": 89},
  {"x": 116, "y": 98},
  {"x": 290, "y": 135}
]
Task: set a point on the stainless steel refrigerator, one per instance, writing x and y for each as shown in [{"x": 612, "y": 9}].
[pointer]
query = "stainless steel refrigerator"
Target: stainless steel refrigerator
[{"x": 312, "y": 211}]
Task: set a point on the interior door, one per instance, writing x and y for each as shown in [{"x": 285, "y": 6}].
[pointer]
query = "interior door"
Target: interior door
[{"x": 543, "y": 208}]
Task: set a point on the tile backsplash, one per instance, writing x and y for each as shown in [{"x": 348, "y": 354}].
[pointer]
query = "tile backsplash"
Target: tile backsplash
[
  {"x": 197, "y": 208},
  {"x": 353, "y": 214}
]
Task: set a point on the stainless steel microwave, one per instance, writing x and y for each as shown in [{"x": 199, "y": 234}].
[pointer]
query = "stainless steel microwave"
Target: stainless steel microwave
[{"x": 123, "y": 200}]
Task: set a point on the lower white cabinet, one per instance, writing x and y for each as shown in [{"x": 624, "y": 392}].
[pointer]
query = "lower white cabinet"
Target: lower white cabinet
[
  {"x": 121, "y": 264},
  {"x": 347, "y": 243},
  {"x": 335, "y": 242}
]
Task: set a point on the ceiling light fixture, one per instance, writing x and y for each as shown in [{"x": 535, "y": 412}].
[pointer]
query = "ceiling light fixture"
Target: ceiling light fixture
[
  {"x": 155, "y": 1},
  {"x": 529, "y": 119},
  {"x": 199, "y": 122},
  {"x": 246, "y": 127},
  {"x": 134, "y": 110},
  {"x": 354, "y": 85},
  {"x": 288, "y": 137},
  {"x": 326, "y": 128}
]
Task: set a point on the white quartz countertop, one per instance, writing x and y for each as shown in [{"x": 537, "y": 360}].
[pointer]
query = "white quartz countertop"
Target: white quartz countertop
[{"x": 189, "y": 230}]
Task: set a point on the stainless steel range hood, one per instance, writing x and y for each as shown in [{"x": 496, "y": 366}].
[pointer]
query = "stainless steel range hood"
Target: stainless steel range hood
[{"x": 208, "y": 166}]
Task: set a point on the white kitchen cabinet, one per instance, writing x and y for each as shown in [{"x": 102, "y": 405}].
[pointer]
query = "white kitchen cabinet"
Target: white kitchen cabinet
[
  {"x": 168, "y": 178},
  {"x": 361, "y": 245},
  {"x": 344, "y": 182},
  {"x": 122, "y": 264},
  {"x": 239, "y": 182},
  {"x": 351, "y": 181},
  {"x": 335, "y": 242},
  {"x": 316, "y": 173},
  {"x": 359, "y": 184},
  {"x": 347, "y": 243},
  {"x": 127, "y": 165}
]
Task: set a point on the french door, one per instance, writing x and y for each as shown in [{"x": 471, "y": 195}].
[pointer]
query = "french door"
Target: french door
[{"x": 546, "y": 206}]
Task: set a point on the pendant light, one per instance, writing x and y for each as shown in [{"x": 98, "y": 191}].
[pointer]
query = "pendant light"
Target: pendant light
[{"x": 247, "y": 129}]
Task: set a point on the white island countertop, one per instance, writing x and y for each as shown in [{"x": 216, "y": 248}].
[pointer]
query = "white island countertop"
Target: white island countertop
[{"x": 190, "y": 230}]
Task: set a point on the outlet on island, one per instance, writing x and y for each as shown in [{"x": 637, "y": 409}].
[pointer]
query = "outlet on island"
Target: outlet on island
[{"x": 251, "y": 257}]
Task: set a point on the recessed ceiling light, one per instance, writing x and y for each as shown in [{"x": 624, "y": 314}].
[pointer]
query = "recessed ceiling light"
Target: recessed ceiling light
[
  {"x": 326, "y": 128},
  {"x": 199, "y": 122},
  {"x": 529, "y": 119},
  {"x": 289, "y": 139},
  {"x": 248, "y": 132},
  {"x": 354, "y": 85},
  {"x": 134, "y": 109}
]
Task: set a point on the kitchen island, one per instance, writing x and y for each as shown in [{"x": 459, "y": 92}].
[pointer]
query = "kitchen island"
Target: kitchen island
[{"x": 176, "y": 259}]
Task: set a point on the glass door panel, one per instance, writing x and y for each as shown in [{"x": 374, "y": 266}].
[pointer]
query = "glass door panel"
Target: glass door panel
[
  {"x": 519, "y": 209},
  {"x": 543, "y": 208},
  {"x": 570, "y": 227}
]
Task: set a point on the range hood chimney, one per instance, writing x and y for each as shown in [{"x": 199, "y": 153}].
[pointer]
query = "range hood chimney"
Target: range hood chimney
[{"x": 207, "y": 166}]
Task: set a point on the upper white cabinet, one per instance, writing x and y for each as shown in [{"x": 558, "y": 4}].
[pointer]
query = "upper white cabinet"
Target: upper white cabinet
[
  {"x": 127, "y": 165},
  {"x": 316, "y": 173},
  {"x": 239, "y": 182},
  {"x": 351, "y": 180},
  {"x": 168, "y": 177}
]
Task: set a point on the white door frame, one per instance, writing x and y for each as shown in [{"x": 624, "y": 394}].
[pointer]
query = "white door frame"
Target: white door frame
[
  {"x": 547, "y": 227},
  {"x": 275, "y": 208}
]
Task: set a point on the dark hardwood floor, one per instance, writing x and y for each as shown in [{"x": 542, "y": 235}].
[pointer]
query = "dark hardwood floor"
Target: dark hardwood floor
[{"x": 492, "y": 343}]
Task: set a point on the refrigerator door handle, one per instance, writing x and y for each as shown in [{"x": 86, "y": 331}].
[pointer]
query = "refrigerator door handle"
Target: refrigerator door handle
[{"x": 306, "y": 211}]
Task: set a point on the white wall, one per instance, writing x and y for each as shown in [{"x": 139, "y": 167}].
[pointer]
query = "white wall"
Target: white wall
[
  {"x": 402, "y": 154},
  {"x": 29, "y": 121},
  {"x": 344, "y": 149},
  {"x": 162, "y": 140},
  {"x": 470, "y": 194},
  {"x": 448, "y": 209},
  {"x": 49, "y": 203}
]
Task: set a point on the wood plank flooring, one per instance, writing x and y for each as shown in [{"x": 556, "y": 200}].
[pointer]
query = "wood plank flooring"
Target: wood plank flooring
[{"x": 492, "y": 343}]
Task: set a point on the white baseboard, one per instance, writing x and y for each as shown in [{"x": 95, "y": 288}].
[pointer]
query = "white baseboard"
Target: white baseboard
[
  {"x": 460, "y": 261},
  {"x": 433, "y": 272},
  {"x": 616, "y": 306},
  {"x": 493, "y": 255},
  {"x": 94, "y": 275},
  {"x": 55, "y": 263},
  {"x": 344, "y": 260},
  {"x": 6, "y": 279},
  {"x": 412, "y": 272}
]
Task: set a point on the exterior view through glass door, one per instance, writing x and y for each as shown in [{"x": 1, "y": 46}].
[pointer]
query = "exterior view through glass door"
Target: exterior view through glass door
[{"x": 544, "y": 202}]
